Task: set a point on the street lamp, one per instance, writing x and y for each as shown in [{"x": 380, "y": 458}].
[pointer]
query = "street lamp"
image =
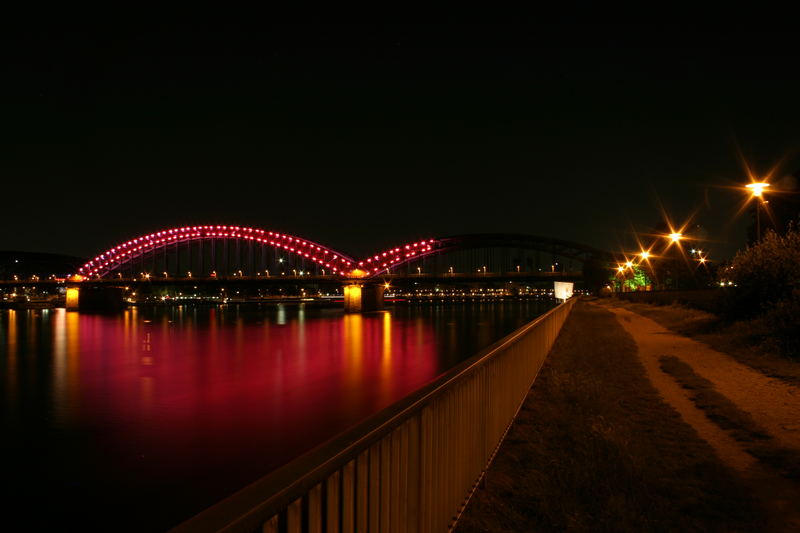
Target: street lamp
[
  {"x": 621, "y": 273},
  {"x": 757, "y": 191},
  {"x": 757, "y": 188}
]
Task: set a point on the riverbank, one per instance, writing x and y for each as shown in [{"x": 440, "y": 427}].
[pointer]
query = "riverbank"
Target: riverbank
[{"x": 631, "y": 427}]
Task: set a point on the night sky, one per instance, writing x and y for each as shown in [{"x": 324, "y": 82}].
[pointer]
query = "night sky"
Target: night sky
[{"x": 365, "y": 136}]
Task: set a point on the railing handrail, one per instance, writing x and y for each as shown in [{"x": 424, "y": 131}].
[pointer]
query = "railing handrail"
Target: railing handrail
[{"x": 266, "y": 496}]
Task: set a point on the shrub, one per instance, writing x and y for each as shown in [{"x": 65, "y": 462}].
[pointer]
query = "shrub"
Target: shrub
[
  {"x": 766, "y": 279},
  {"x": 764, "y": 274},
  {"x": 782, "y": 322}
]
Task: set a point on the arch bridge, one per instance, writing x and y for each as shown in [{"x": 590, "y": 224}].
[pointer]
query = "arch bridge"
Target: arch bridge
[
  {"x": 210, "y": 251},
  {"x": 255, "y": 263}
]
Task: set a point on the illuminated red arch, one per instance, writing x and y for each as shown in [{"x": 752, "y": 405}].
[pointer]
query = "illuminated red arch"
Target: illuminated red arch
[
  {"x": 121, "y": 254},
  {"x": 397, "y": 256}
]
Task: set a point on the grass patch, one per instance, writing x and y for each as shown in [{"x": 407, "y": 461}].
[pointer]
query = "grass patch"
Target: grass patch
[
  {"x": 738, "y": 423},
  {"x": 748, "y": 342},
  {"x": 596, "y": 449}
]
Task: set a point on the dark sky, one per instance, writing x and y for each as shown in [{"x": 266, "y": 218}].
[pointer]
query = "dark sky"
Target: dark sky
[{"x": 363, "y": 136}]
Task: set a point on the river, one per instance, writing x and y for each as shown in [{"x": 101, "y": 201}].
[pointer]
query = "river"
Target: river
[{"x": 138, "y": 420}]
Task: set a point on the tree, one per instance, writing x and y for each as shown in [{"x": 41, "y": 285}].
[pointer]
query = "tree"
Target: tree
[
  {"x": 630, "y": 279},
  {"x": 765, "y": 274}
]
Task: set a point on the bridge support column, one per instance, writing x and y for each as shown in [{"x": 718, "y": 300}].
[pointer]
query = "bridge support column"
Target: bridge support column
[
  {"x": 73, "y": 298},
  {"x": 90, "y": 298},
  {"x": 363, "y": 297}
]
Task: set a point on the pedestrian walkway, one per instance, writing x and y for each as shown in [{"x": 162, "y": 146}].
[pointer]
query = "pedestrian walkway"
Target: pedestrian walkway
[
  {"x": 648, "y": 415},
  {"x": 774, "y": 404}
]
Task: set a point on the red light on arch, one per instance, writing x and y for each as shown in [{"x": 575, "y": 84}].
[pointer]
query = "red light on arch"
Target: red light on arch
[{"x": 118, "y": 255}]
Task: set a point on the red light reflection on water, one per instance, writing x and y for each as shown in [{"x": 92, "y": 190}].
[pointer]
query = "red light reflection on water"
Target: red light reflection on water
[
  {"x": 157, "y": 413},
  {"x": 229, "y": 399}
]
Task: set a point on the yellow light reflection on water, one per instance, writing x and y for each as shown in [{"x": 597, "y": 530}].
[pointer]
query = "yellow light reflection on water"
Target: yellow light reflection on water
[
  {"x": 386, "y": 357},
  {"x": 11, "y": 344},
  {"x": 66, "y": 364},
  {"x": 353, "y": 348},
  {"x": 60, "y": 362},
  {"x": 31, "y": 335}
]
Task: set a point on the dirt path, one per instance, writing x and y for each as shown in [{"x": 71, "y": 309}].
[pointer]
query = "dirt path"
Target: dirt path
[
  {"x": 597, "y": 448},
  {"x": 773, "y": 404}
]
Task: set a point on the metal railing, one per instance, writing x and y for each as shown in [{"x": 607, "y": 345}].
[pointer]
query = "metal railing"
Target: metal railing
[{"x": 411, "y": 467}]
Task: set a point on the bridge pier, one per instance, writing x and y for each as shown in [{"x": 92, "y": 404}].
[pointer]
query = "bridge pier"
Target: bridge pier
[
  {"x": 88, "y": 298},
  {"x": 360, "y": 295},
  {"x": 73, "y": 298},
  {"x": 363, "y": 298}
]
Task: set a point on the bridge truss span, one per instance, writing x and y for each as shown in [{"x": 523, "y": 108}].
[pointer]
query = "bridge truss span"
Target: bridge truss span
[
  {"x": 124, "y": 255},
  {"x": 513, "y": 257}
]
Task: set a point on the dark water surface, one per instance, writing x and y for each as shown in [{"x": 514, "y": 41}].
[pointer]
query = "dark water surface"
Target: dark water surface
[{"x": 139, "y": 420}]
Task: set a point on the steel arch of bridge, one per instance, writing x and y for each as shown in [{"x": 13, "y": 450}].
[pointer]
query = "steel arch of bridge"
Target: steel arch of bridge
[
  {"x": 122, "y": 254},
  {"x": 339, "y": 263},
  {"x": 379, "y": 263}
]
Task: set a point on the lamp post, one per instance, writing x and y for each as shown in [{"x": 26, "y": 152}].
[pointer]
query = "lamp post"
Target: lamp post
[{"x": 757, "y": 191}]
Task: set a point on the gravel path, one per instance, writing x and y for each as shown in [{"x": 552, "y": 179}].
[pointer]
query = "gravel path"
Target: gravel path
[
  {"x": 597, "y": 447},
  {"x": 772, "y": 403}
]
